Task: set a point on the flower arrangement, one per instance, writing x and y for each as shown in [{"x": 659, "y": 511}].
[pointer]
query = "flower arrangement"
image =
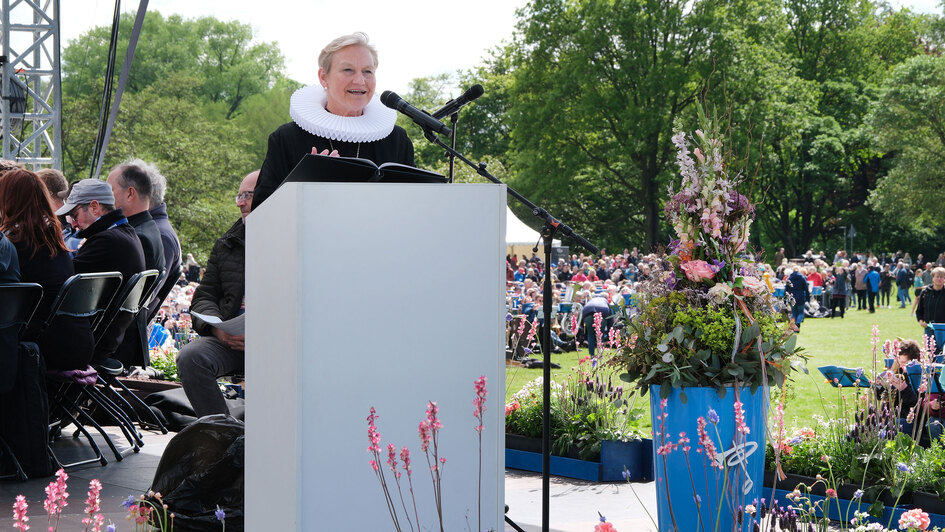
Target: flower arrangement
[{"x": 708, "y": 318}]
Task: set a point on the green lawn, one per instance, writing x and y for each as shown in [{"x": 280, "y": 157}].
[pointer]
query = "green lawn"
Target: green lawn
[{"x": 842, "y": 342}]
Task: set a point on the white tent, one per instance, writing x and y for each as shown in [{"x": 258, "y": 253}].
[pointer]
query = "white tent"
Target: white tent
[{"x": 520, "y": 238}]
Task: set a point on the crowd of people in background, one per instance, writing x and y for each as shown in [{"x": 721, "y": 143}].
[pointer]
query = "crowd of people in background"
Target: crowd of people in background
[{"x": 818, "y": 285}]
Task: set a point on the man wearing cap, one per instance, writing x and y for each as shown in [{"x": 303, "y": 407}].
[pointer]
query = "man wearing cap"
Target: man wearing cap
[
  {"x": 110, "y": 245},
  {"x": 220, "y": 294}
]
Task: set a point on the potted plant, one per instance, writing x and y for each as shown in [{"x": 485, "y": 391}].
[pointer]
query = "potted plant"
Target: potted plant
[
  {"x": 592, "y": 421},
  {"x": 706, "y": 344}
]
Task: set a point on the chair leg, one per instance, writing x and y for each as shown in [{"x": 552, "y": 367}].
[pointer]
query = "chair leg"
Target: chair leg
[
  {"x": 117, "y": 411},
  {"x": 19, "y": 473},
  {"x": 99, "y": 457},
  {"x": 112, "y": 410},
  {"x": 85, "y": 415},
  {"x": 113, "y": 381}
]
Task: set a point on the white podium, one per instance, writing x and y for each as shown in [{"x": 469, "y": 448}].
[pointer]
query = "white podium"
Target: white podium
[{"x": 384, "y": 295}]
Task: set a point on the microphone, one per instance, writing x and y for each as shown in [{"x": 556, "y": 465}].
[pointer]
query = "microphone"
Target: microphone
[
  {"x": 453, "y": 106},
  {"x": 423, "y": 119}
]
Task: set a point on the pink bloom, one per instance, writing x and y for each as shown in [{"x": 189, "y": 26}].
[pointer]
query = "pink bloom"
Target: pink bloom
[
  {"x": 754, "y": 284},
  {"x": 405, "y": 458},
  {"x": 19, "y": 513},
  {"x": 605, "y": 527},
  {"x": 740, "y": 425},
  {"x": 374, "y": 437},
  {"x": 831, "y": 493},
  {"x": 479, "y": 403},
  {"x": 512, "y": 407},
  {"x": 56, "y": 495},
  {"x": 424, "y": 430},
  {"x": 914, "y": 518},
  {"x": 94, "y": 518},
  {"x": 697, "y": 270}
]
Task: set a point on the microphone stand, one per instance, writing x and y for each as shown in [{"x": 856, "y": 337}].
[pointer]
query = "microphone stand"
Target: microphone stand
[
  {"x": 454, "y": 118},
  {"x": 550, "y": 226}
]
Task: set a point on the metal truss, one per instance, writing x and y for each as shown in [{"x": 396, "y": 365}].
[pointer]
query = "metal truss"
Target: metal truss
[{"x": 30, "y": 82}]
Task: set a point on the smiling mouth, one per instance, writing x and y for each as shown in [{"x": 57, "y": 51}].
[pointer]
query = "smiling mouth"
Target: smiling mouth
[{"x": 357, "y": 92}]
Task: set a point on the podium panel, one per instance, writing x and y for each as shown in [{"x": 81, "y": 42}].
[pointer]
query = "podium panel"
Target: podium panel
[{"x": 385, "y": 295}]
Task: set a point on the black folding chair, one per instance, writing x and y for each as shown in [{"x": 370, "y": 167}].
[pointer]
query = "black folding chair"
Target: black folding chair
[
  {"x": 84, "y": 295},
  {"x": 134, "y": 300},
  {"x": 19, "y": 303}
]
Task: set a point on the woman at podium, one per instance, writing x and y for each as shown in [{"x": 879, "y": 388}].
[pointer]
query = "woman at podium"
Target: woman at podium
[{"x": 339, "y": 116}]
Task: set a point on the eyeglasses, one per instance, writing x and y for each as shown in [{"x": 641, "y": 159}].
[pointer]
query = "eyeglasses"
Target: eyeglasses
[
  {"x": 244, "y": 196},
  {"x": 72, "y": 214}
]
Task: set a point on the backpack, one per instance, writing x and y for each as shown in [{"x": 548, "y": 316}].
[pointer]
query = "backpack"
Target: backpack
[{"x": 24, "y": 415}]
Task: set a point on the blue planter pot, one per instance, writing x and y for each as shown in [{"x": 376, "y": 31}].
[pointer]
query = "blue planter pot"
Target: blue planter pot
[
  {"x": 636, "y": 457},
  {"x": 689, "y": 490}
]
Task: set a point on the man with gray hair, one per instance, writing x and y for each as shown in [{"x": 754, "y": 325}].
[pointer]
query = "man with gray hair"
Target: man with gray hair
[
  {"x": 158, "y": 211},
  {"x": 132, "y": 189}
]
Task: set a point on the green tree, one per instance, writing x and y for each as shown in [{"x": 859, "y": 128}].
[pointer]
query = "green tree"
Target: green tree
[
  {"x": 909, "y": 120},
  {"x": 596, "y": 87},
  {"x": 230, "y": 66}
]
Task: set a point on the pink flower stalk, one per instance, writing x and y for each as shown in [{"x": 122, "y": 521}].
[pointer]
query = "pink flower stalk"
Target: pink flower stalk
[
  {"x": 887, "y": 349},
  {"x": 425, "y": 436},
  {"x": 706, "y": 443},
  {"x": 479, "y": 402},
  {"x": 405, "y": 458},
  {"x": 531, "y": 332},
  {"x": 56, "y": 498},
  {"x": 598, "y": 321},
  {"x": 392, "y": 460},
  {"x": 94, "y": 519},
  {"x": 574, "y": 321},
  {"x": 740, "y": 425},
  {"x": 914, "y": 519},
  {"x": 20, "y": 519},
  {"x": 683, "y": 442},
  {"x": 521, "y": 326},
  {"x": 374, "y": 437},
  {"x": 697, "y": 270}
]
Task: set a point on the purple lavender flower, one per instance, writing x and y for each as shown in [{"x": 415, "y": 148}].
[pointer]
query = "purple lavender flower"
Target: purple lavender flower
[
  {"x": 713, "y": 416},
  {"x": 508, "y": 317},
  {"x": 220, "y": 514},
  {"x": 903, "y": 467},
  {"x": 129, "y": 502},
  {"x": 857, "y": 494}
]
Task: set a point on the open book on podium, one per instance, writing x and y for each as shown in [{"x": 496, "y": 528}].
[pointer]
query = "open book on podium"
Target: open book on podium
[{"x": 322, "y": 168}]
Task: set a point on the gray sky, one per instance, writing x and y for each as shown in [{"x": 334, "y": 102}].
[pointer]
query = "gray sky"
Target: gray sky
[{"x": 413, "y": 37}]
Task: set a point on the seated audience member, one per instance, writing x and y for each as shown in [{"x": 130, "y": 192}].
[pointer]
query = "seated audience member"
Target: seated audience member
[
  {"x": 132, "y": 189},
  {"x": 903, "y": 399},
  {"x": 110, "y": 245},
  {"x": 43, "y": 258},
  {"x": 221, "y": 293},
  {"x": 58, "y": 189}
]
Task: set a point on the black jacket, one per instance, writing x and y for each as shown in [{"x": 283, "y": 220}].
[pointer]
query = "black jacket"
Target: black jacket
[
  {"x": 150, "y": 237},
  {"x": 111, "y": 245},
  {"x": 930, "y": 306},
  {"x": 221, "y": 291}
]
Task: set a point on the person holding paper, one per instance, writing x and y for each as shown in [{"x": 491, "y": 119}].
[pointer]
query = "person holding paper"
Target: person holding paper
[
  {"x": 339, "y": 116},
  {"x": 220, "y": 294}
]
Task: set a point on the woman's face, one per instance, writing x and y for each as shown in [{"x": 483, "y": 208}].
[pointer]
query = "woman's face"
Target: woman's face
[{"x": 350, "y": 81}]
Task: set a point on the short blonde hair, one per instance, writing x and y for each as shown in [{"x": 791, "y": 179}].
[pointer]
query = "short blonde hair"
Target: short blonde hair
[
  {"x": 938, "y": 271},
  {"x": 357, "y": 38}
]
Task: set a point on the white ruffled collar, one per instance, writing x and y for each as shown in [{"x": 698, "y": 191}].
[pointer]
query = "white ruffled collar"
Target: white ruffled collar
[{"x": 307, "y": 109}]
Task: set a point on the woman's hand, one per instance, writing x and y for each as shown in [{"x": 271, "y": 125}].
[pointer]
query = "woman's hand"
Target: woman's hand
[{"x": 334, "y": 153}]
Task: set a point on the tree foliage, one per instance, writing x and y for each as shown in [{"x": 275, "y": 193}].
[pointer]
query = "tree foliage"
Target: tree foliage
[{"x": 201, "y": 100}]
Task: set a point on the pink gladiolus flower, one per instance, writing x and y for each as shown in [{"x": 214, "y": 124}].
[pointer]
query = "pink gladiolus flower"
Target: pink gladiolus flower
[
  {"x": 479, "y": 403},
  {"x": 605, "y": 527},
  {"x": 20, "y": 519},
  {"x": 914, "y": 519},
  {"x": 740, "y": 425},
  {"x": 374, "y": 437},
  {"x": 405, "y": 458},
  {"x": 697, "y": 270},
  {"x": 94, "y": 518}
]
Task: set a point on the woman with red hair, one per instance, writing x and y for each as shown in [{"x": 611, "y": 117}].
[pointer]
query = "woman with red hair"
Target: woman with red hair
[{"x": 27, "y": 219}]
